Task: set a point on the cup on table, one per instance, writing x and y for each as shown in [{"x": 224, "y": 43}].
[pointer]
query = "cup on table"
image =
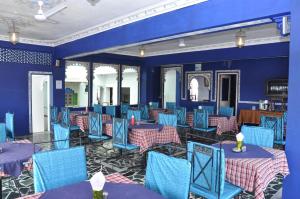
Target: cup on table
[{"x": 239, "y": 145}]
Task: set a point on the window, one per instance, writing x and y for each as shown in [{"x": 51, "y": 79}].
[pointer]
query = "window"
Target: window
[
  {"x": 76, "y": 84},
  {"x": 199, "y": 85},
  {"x": 105, "y": 84},
  {"x": 194, "y": 89},
  {"x": 130, "y": 84}
]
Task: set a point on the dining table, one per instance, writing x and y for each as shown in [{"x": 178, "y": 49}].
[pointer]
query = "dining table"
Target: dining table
[
  {"x": 146, "y": 135},
  {"x": 255, "y": 168},
  {"x": 13, "y": 156},
  {"x": 221, "y": 122},
  {"x": 116, "y": 186}
]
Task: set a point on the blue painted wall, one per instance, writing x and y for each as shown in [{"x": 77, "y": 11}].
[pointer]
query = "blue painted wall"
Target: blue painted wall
[{"x": 256, "y": 63}]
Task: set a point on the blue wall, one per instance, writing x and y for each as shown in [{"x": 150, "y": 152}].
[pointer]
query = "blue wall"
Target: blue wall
[{"x": 256, "y": 63}]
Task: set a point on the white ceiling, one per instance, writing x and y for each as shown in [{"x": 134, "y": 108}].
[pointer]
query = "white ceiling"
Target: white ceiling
[
  {"x": 260, "y": 34},
  {"x": 79, "y": 16}
]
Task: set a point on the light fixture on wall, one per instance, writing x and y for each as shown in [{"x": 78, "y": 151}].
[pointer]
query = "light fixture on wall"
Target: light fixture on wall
[
  {"x": 181, "y": 43},
  {"x": 240, "y": 39},
  {"x": 142, "y": 51},
  {"x": 13, "y": 34}
]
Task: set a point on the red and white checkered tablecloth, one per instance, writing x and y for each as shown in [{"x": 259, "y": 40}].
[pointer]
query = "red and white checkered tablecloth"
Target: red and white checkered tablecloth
[
  {"x": 146, "y": 138},
  {"x": 254, "y": 174},
  {"x": 114, "y": 178},
  {"x": 73, "y": 115},
  {"x": 83, "y": 121},
  {"x": 27, "y": 166},
  {"x": 223, "y": 124}
]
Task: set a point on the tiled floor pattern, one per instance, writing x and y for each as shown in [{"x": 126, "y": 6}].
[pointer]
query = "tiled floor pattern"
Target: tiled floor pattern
[{"x": 98, "y": 159}]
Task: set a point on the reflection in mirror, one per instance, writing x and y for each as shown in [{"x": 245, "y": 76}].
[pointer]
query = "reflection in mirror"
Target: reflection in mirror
[
  {"x": 130, "y": 85},
  {"x": 105, "y": 84},
  {"x": 199, "y": 85},
  {"x": 76, "y": 84}
]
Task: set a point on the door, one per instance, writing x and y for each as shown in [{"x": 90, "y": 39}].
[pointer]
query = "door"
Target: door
[
  {"x": 40, "y": 102},
  {"x": 170, "y": 86},
  {"x": 224, "y": 85}
]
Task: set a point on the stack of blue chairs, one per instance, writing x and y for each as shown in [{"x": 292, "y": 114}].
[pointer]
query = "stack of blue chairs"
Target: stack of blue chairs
[
  {"x": 208, "y": 172},
  {"x": 163, "y": 173},
  {"x": 58, "y": 168}
]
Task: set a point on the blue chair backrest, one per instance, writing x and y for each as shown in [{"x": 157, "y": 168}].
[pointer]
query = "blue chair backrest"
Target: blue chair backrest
[
  {"x": 153, "y": 105},
  {"x": 181, "y": 115},
  {"x": 120, "y": 131},
  {"x": 145, "y": 111},
  {"x": 95, "y": 124},
  {"x": 163, "y": 174},
  {"x": 208, "y": 167},
  {"x": 135, "y": 113},
  {"x": 226, "y": 111},
  {"x": 200, "y": 119},
  {"x": 259, "y": 136},
  {"x": 285, "y": 117},
  {"x": 61, "y": 136},
  {"x": 209, "y": 109},
  {"x": 110, "y": 110},
  {"x": 167, "y": 119},
  {"x": 2, "y": 133},
  {"x": 98, "y": 108},
  {"x": 124, "y": 108},
  {"x": 275, "y": 123},
  {"x": 171, "y": 106},
  {"x": 53, "y": 114},
  {"x": 65, "y": 116},
  {"x": 58, "y": 168},
  {"x": 9, "y": 125}
]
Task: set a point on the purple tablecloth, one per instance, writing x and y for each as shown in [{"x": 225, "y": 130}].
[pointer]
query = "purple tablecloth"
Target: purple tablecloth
[
  {"x": 252, "y": 151},
  {"x": 83, "y": 190},
  {"x": 146, "y": 126},
  {"x": 14, "y": 155}
]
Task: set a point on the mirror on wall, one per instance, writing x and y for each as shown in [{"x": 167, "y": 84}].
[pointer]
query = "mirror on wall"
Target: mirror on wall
[{"x": 199, "y": 85}]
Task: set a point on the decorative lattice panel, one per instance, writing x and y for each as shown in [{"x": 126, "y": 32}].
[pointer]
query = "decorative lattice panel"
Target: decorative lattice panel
[{"x": 25, "y": 57}]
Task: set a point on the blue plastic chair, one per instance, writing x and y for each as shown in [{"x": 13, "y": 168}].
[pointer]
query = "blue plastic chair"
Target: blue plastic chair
[
  {"x": 167, "y": 119},
  {"x": 65, "y": 120},
  {"x": 135, "y": 113},
  {"x": 120, "y": 135},
  {"x": 61, "y": 136},
  {"x": 153, "y": 105},
  {"x": 209, "y": 109},
  {"x": 9, "y": 126},
  {"x": 163, "y": 173},
  {"x": 208, "y": 172},
  {"x": 2, "y": 133},
  {"x": 124, "y": 110},
  {"x": 58, "y": 168},
  {"x": 275, "y": 123},
  {"x": 259, "y": 136},
  {"x": 98, "y": 108},
  {"x": 181, "y": 117},
  {"x": 200, "y": 121},
  {"x": 110, "y": 110},
  {"x": 226, "y": 111},
  {"x": 95, "y": 127},
  {"x": 171, "y": 106}
]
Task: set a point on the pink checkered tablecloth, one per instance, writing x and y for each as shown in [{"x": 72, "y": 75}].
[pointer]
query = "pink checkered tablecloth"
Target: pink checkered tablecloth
[
  {"x": 223, "y": 124},
  {"x": 114, "y": 178},
  {"x": 83, "y": 121},
  {"x": 27, "y": 166},
  {"x": 146, "y": 138},
  {"x": 73, "y": 115},
  {"x": 254, "y": 174}
]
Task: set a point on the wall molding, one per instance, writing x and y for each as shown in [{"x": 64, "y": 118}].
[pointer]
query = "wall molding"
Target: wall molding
[{"x": 150, "y": 11}]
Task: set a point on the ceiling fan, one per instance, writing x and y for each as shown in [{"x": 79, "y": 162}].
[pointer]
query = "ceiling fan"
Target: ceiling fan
[{"x": 42, "y": 16}]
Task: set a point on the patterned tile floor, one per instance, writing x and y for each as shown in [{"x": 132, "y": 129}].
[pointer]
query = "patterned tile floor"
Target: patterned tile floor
[{"x": 100, "y": 159}]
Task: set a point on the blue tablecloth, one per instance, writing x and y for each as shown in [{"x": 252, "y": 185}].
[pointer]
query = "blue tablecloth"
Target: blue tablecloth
[
  {"x": 14, "y": 155},
  {"x": 252, "y": 151},
  {"x": 83, "y": 190}
]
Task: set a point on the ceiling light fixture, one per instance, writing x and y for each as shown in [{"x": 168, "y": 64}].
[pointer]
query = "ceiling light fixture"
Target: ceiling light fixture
[
  {"x": 13, "y": 35},
  {"x": 40, "y": 16},
  {"x": 240, "y": 39},
  {"x": 93, "y": 2},
  {"x": 181, "y": 43},
  {"x": 142, "y": 51}
]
